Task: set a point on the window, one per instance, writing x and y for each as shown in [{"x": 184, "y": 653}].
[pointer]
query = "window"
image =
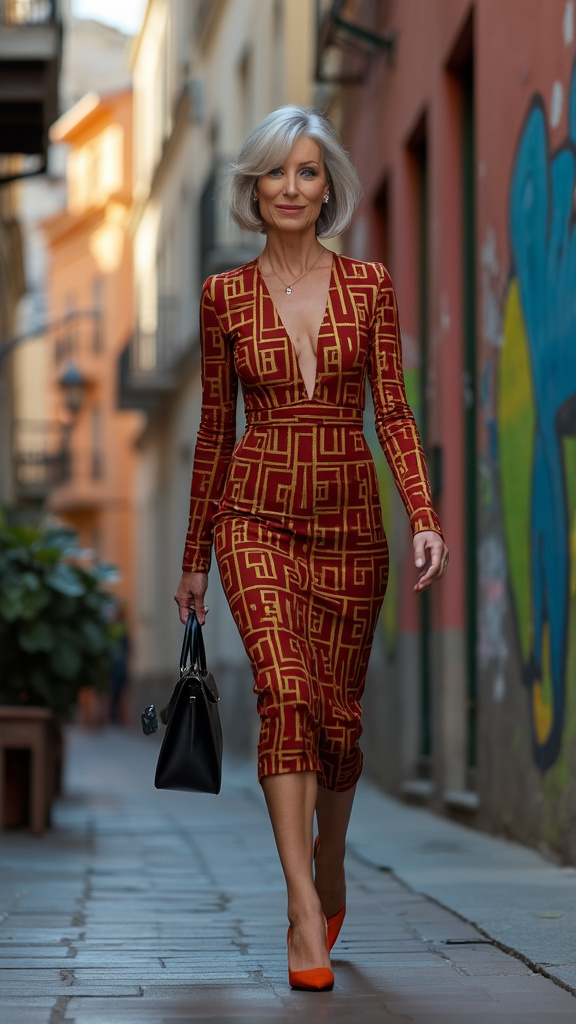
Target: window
[
  {"x": 97, "y": 332},
  {"x": 97, "y": 459}
]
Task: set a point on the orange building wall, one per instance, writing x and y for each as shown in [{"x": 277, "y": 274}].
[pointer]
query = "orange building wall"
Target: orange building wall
[{"x": 91, "y": 266}]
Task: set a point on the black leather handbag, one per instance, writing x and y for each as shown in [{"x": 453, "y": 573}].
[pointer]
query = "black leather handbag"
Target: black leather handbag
[{"x": 190, "y": 757}]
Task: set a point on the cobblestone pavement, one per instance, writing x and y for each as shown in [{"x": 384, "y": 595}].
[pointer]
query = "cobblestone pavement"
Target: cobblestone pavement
[{"x": 160, "y": 908}]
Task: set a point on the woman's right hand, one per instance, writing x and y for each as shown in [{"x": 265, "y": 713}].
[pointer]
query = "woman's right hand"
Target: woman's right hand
[{"x": 190, "y": 594}]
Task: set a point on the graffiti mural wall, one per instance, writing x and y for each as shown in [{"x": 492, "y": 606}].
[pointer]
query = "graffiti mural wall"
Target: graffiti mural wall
[
  {"x": 466, "y": 148},
  {"x": 536, "y": 420}
]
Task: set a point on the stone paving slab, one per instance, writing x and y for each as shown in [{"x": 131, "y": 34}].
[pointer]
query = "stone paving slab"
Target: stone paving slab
[
  {"x": 160, "y": 908},
  {"x": 19, "y": 1014},
  {"x": 520, "y": 899}
]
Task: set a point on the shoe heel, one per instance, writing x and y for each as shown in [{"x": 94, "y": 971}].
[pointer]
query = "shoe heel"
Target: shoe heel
[
  {"x": 337, "y": 920},
  {"x": 317, "y": 979}
]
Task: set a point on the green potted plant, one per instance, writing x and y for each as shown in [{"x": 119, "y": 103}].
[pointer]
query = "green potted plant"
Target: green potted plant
[{"x": 56, "y": 638}]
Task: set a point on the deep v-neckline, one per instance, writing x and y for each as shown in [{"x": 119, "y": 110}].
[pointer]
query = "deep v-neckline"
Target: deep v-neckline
[{"x": 291, "y": 344}]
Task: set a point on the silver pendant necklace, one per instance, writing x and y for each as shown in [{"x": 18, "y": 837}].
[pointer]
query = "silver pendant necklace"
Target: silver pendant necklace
[{"x": 288, "y": 287}]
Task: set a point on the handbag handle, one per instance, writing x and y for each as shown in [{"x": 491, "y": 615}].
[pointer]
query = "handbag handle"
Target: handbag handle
[{"x": 193, "y": 651}]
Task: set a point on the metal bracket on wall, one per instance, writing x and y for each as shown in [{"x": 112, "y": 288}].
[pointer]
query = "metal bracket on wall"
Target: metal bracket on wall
[
  {"x": 7, "y": 347},
  {"x": 23, "y": 171},
  {"x": 331, "y": 27}
]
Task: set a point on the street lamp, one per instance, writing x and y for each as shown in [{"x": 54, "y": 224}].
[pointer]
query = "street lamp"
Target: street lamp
[{"x": 73, "y": 386}]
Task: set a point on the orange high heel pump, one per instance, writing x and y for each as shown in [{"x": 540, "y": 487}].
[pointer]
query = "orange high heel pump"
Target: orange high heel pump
[
  {"x": 316, "y": 979},
  {"x": 335, "y": 922}
]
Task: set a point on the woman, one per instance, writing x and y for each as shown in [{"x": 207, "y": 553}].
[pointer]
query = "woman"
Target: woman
[{"x": 293, "y": 508}]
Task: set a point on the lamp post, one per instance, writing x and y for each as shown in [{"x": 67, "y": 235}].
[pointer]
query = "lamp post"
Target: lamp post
[{"x": 73, "y": 386}]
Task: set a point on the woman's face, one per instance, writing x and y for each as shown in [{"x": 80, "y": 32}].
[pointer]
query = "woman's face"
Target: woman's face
[{"x": 290, "y": 197}]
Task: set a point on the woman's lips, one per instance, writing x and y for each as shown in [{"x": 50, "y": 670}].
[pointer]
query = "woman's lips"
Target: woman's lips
[{"x": 290, "y": 209}]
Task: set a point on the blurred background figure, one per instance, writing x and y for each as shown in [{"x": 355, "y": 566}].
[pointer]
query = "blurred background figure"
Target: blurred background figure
[{"x": 117, "y": 712}]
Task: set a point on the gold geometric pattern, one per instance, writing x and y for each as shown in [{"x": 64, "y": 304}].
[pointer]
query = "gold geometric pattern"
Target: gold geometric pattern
[{"x": 293, "y": 507}]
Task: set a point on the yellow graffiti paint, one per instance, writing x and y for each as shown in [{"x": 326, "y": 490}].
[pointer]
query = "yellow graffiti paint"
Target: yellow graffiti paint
[
  {"x": 573, "y": 557},
  {"x": 516, "y": 424},
  {"x": 543, "y": 694},
  {"x": 569, "y": 453}
]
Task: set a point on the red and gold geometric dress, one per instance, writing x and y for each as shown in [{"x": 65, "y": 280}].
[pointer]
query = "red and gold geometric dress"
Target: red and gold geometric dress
[{"x": 293, "y": 507}]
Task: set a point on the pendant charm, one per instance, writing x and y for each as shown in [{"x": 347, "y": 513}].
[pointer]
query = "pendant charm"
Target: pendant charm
[{"x": 288, "y": 290}]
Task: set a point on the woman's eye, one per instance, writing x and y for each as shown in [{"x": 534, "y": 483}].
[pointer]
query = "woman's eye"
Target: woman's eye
[
  {"x": 275, "y": 173},
  {"x": 308, "y": 172}
]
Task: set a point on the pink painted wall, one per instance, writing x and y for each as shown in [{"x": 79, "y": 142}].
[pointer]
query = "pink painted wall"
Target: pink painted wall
[{"x": 523, "y": 58}]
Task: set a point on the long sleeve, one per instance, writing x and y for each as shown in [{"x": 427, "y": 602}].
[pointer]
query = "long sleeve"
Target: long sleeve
[
  {"x": 216, "y": 436},
  {"x": 395, "y": 424}
]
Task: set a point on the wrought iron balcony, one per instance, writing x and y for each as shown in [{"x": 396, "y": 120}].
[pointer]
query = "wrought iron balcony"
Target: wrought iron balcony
[
  {"x": 348, "y": 39},
  {"x": 207, "y": 12},
  {"x": 27, "y": 12},
  {"x": 30, "y": 47},
  {"x": 157, "y": 348},
  {"x": 40, "y": 458},
  {"x": 223, "y": 244},
  {"x": 44, "y": 459},
  {"x": 151, "y": 364},
  {"x": 148, "y": 366}
]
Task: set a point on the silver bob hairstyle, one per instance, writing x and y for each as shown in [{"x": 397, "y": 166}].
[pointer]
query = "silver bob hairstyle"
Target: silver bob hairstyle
[{"x": 268, "y": 146}]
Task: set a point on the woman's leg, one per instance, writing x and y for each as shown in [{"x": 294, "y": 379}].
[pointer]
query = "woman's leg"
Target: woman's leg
[
  {"x": 333, "y": 814},
  {"x": 291, "y": 799}
]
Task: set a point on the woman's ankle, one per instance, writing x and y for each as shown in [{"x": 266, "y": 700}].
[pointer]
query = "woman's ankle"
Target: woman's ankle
[
  {"x": 305, "y": 913},
  {"x": 331, "y": 889}
]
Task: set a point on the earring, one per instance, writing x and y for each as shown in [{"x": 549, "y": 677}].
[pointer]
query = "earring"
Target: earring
[
  {"x": 254, "y": 197},
  {"x": 326, "y": 197}
]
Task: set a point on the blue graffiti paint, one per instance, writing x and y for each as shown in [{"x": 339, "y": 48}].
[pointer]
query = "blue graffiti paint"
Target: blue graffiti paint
[{"x": 543, "y": 236}]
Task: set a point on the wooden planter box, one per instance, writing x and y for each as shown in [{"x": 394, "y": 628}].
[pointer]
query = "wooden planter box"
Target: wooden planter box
[{"x": 30, "y": 766}]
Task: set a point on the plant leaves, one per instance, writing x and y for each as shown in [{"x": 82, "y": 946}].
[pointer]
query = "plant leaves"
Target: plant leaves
[
  {"x": 48, "y": 556},
  {"x": 18, "y": 536},
  {"x": 34, "y": 603},
  {"x": 94, "y": 635},
  {"x": 54, "y": 628},
  {"x": 36, "y": 636},
  {"x": 65, "y": 580},
  {"x": 66, "y": 660},
  {"x": 60, "y": 537},
  {"x": 106, "y": 572},
  {"x": 12, "y": 596}
]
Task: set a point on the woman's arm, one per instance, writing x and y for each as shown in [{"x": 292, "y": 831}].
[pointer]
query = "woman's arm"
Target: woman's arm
[
  {"x": 214, "y": 446},
  {"x": 398, "y": 436}
]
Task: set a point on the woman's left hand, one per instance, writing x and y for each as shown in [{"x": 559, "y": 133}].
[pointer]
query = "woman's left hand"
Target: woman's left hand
[{"x": 430, "y": 557}]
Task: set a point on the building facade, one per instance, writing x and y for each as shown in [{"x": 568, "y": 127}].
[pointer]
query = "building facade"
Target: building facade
[
  {"x": 12, "y": 288},
  {"x": 459, "y": 115},
  {"x": 461, "y": 121},
  {"x": 204, "y": 74},
  {"x": 30, "y": 52},
  {"x": 94, "y": 58},
  {"x": 89, "y": 290}
]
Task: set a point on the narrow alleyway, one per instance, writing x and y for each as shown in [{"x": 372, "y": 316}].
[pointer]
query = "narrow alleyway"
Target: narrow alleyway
[{"x": 158, "y": 908}]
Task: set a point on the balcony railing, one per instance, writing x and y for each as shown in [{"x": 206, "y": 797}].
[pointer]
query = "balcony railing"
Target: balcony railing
[
  {"x": 44, "y": 459},
  {"x": 157, "y": 350},
  {"x": 149, "y": 365},
  {"x": 30, "y": 46},
  {"x": 206, "y": 12},
  {"x": 78, "y": 335},
  {"x": 348, "y": 38},
  {"x": 27, "y": 12},
  {"x": 223, "y": 244},
  {"x": 39, "y": 459},
  {"x": 82, "y": 466}
]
